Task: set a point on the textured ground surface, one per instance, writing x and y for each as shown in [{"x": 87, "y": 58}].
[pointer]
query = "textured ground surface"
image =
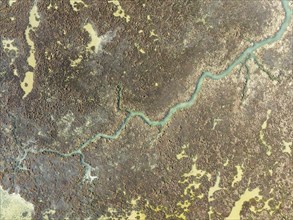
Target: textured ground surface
[{"x": 106, "y": 112}]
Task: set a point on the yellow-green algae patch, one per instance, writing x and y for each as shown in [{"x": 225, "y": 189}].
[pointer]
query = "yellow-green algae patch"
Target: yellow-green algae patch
[
  {"x": 211, "y": 192},
  {"x": 27, "y": 83},
  {"x": 245, "y": 197},
  {"x": 120, "y": 11},
  {"x": 191, "y": 182},
  {"x": 95, "y": 40},
  {"x": 46, "y": 214},
  {"x": 11, "y": 2},
  {"x": 133, "y": 214},
  {"x": 34, "y": 21},
  {"x": 182, "y": 154},
  {"x": 140, "y": 49},
  {"x": 216, "y": 122},
  {"x": 287, "y": 147},
  {"x": 13, "y": 206},
  {"x": 214, "y": 188},
  {"x": 8, "y": 45},
  {"x": 226, "y": 162},
  {"x": 195, "y": 171},
  {"x": 76, "y": 62},
  {"x": 74, "y": 4},
  {"x": 271, "y": 209},
  {"x": 238, "y": 176}
]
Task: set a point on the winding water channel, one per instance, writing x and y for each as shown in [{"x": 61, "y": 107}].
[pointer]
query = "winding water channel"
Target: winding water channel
[{"x": 186, "y": 104}]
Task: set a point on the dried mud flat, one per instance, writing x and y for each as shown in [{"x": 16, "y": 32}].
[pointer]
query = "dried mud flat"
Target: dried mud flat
[{"x": 146, "y": 109}]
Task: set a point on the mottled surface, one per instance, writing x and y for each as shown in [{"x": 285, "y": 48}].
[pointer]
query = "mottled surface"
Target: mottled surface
[{"x": 71, "y": 71}]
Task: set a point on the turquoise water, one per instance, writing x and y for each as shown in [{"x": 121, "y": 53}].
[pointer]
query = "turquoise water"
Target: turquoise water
[
  {"x": 199, "y": 83},
  {"x": 186, "y": 104}
]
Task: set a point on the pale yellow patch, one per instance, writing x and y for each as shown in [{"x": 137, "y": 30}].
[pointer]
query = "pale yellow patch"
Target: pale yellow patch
[
  {"x": 216, "y": 121},
  {"x": 27, "y": 83},
  {"x": 238, "y": 176},
  {"x": 210, "y": 212},
  {"x": 287, "y": 147},
  {"x": 8, "y": 46},
  {"x": 149, "y": 18},
  {"x": 155, "y": 208},
  {"x": 15, "y": 73},
  {"x": 191, "y": 180},
  {"x": 132, "y": 214},
  {"x": 214, "y": 188},
  {"x": 12, "y": 206},
  {"x": 136, "y": 215},
  {"x": 34, "y": 21},
  {"x": 120, "y": 11},
  {"x": 181, "y": 155},
  {"x": 185, "y": 146},
  {"x": 156, "y": 84},
  {"x": 194, "y": 170},
  {"x": 153, "y": 34},
  {"x": 95, "y": 40},
  {"x": 11, "y": 2},
  {"x": 201, "y": 20},
  {"x": 49, "y": 6},
  {"x": 193, "y": 184},
  {"x": 262, "y": 136},
  {"x": 55, "y": 6},
  {"x": 191, "y": 187},
  {"x": 47, "y": 213},
  {"x": 184, "y": 205},
  {"x": 200, "y": 196},
  {"x": 133, "y": 202},
  {"x": 139, "y": 48},
  {"x": 226, "y": 163},
  {"x": 47, "y": 55},
  {"x": 264, "y": 125},
  {"x": 59, "y": 42},
  {"x": 211, "y": 192},
  {"x": 74, "y": 3},
  {"x": 76, "y": 62},
  {"x": 266, "y": 207},
  {"x": 245, "y": 197}
]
